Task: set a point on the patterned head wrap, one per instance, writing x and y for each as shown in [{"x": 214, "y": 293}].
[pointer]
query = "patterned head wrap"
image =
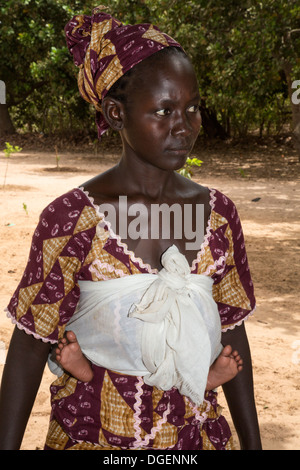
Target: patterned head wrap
[{"x": 104, "y": 49}]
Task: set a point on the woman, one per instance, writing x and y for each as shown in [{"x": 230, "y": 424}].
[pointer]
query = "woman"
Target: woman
[{"x": 142, "y": 85}]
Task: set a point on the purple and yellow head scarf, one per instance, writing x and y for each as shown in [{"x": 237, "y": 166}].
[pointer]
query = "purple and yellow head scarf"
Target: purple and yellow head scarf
[{"x": 104, "y": 49}]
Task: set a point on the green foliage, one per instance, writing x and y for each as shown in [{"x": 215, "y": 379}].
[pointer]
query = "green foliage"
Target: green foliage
[
  {"x": 240, "y": 51},
  {"x": 186, "y": 170},
  {"x": 25, "y": 208},
  {"x": 37, "y": 68},
  {"x": 57, "y": 158},
  {"x": 9, "y": 149},
  {"x": 245, "y": 54}
]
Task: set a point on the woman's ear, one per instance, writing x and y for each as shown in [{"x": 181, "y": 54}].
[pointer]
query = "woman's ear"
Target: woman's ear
[{"x": 113, "y": 111}]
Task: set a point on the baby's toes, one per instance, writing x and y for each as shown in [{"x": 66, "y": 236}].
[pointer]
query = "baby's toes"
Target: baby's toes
[
  {"x": 239, "y": 360},
  {"x": 59, "y": 348}
]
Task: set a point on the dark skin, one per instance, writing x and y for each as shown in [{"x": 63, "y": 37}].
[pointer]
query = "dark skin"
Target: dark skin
[
  {"x": 158, "y": 130},
  {"x": 21, "y": 379}
]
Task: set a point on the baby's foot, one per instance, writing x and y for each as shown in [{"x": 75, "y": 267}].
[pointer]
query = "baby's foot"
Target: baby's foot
[
  {"x": 71, "y": 358},
  {"x": 227, "y": 365}
]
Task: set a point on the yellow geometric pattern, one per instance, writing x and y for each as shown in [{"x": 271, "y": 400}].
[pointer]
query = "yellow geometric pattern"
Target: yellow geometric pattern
[
  {"x": 155, "y": 35},
  {"x": 116, "y": 416},
  {"x": 69, "y": 267},
  {"x": 167, "y": 436},
  {"x": 97, "y": 33},
  {"x": 69, "y": 385},
  {"x": 230, "y": 291},
  {"x": 97, "y": 36},
  {"x": 51, "y": 250},
  {"x": 110, "y": 75},
  {"x": 46, "y": 318},
  {"x": 230, "y": 259},
  {"x": 217, "y": 221},
  {"x": 80, "y": 19},
  {"x": 88, "y": 219},
  {"x": 96, "y": 251},
  {"x": 26, "y": 297},
  {"x": 205, "y": 261},
  {"x": 56, "y": 438}
]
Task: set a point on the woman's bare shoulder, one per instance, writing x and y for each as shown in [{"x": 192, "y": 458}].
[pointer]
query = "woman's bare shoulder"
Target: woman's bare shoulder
[
  {"x": 103, "y": 186},
  {"x": 191, "y": 189}
]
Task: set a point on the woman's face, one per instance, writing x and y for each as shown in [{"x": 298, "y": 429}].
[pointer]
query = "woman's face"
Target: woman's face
[{"x": 162, "y": 119}]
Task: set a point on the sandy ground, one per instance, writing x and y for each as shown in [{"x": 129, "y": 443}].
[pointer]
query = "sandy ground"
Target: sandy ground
[{"x": 271, "y": 227}]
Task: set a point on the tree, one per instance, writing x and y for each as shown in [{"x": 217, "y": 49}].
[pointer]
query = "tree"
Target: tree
[
  {"x": 35, "y": 63},
  {"x": 36, "y": 66},
  {"x": 246, "y": 55}
]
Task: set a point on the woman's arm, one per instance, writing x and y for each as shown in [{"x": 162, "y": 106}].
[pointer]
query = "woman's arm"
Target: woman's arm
[
  {"x": 239, "y": 392},
  {"x": 23, "y": 371}
]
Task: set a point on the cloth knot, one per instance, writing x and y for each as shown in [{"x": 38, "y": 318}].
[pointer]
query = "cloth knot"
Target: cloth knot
[
  {"x": 176, "y": 271},
  {"x": 170, "y": 286}
]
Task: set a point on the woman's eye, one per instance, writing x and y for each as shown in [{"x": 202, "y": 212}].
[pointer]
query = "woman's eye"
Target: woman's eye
[
  {"x": 163, "y": 112},
  {"x": 194, "y": 108}
]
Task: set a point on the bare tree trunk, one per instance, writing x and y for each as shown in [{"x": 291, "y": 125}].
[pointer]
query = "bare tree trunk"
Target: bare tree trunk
[
  {"x": 296, "y": 126},
  {"x": 296, "y": 134},
  {"x": 211, "y": 126},
  {"x": 6, "y": 125}
]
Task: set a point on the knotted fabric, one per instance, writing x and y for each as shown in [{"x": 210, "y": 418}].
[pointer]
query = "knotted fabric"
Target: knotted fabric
[
  {"x": 105, "y": 49},
  {"x": 164, "y": 327}
]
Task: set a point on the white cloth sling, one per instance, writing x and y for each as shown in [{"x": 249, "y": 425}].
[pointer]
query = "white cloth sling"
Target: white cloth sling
[{"x": 164, "y": 327}]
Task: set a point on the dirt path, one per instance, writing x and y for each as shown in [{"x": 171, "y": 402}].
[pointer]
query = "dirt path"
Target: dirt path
[{"x": 271, "y": 226}]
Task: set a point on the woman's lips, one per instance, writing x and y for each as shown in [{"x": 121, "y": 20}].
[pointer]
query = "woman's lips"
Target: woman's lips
[{"x": 179, "y": 151}]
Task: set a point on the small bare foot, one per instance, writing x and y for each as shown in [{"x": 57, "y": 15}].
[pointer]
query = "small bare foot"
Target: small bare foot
[
  {"x": 227, "y": 365},
  {"x": 71, "y": 358}
]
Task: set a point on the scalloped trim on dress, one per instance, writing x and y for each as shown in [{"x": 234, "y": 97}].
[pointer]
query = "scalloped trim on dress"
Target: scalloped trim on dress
[
  {"x": 121, "y": 244},
  {"x": 27, "y": 330},
  {"x": 239, "y": 323},
  {"x": 139, "y": 260}
]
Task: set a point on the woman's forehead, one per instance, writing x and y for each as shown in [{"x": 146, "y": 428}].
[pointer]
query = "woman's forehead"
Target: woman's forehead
[{"x": 167, "y": 78}]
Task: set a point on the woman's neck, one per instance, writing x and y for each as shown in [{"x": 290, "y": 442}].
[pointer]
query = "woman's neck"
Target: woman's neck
[{"x": 143, "y": 178}]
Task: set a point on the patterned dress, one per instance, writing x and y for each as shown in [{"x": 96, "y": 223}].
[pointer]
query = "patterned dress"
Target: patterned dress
[{"x": 72, "y": 243}]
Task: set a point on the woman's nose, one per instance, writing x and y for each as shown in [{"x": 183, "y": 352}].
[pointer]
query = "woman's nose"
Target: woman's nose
[{"x": 181, "y": 125}]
